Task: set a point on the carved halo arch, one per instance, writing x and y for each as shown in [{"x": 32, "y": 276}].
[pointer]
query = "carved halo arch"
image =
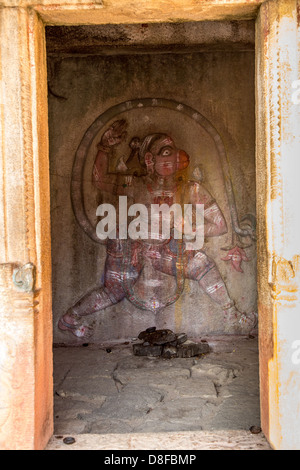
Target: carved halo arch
[{"x": 111, "y": 113}]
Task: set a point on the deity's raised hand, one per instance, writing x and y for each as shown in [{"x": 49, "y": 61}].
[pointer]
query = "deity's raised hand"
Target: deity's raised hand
[{"x": 115, "y": 134}]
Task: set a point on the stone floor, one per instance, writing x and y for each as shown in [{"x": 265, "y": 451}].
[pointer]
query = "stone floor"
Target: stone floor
[
  {"x": 108, "y": 390},
  {"x": 179, "y": 441}
]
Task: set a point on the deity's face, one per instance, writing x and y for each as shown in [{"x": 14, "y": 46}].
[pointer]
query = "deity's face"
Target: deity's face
[{"x": 167, "y": 158}]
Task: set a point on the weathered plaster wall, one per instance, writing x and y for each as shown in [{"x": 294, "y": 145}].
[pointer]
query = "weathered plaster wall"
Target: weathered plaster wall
[
  {"x": 182, "y": 36},
  {"x": 218, "y": 84}
]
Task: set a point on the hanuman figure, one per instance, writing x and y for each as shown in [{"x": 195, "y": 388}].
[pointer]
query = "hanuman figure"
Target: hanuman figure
[{"x": 157, "y": 179}]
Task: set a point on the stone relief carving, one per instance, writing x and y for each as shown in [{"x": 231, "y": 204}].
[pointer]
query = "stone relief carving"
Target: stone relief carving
[
  {"x": 24, "y": 277},
  {"x": 286, "y": 278},
  {"x": 154, "y": 173}
]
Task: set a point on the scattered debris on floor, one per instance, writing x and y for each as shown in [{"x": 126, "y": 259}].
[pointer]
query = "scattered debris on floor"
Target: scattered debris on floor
[
  {"x": 69, "y": 440},
  {"x": 167, "y": 344},
  {"x": 255, "y": 430}
]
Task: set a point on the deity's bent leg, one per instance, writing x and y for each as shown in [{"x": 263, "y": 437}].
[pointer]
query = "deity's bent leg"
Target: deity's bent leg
[
  {"x": 98, "y": 298},
  {"x": 198, "y": 267},
  {"x": 204, "y": 270}
]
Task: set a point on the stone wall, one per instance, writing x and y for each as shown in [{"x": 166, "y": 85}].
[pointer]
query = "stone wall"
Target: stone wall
[{"x": 217, "y": 82}]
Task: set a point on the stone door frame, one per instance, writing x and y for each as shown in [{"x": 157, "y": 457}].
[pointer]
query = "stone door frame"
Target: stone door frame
[{"x": 26, "y": 410}]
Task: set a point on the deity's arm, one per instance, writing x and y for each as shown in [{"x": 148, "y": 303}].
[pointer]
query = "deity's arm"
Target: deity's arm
[
  {"x": 102, "y": 179},
  {"x": 214, "y": 221}
]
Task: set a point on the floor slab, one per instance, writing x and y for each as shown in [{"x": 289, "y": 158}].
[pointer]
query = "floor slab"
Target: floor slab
[
  {"x": 200, "y": 440},
  {"x": 106, "y": 390}
]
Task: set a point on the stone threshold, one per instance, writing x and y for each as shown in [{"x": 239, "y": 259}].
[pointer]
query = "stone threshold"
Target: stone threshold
[{"x": 200, "y": 440}]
